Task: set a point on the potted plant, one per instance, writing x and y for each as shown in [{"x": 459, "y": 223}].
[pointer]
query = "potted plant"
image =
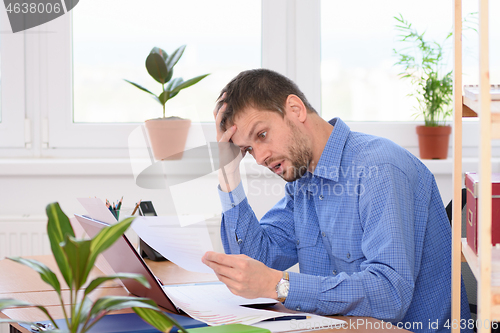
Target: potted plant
[
  {"x": 423, "y": 65},
  {"x": 167, "y": 135},
  {"x": 75, "y": 259}
]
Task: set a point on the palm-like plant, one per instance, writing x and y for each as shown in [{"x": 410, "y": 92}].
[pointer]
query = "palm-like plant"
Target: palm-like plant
[
  {"x": 160, "y": 66},
  {"x": 75, "y": 259},
  {"x": 422, "y": 62}
]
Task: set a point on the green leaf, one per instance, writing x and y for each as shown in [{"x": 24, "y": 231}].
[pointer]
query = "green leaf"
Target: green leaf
[
  {"x": 105, "y": 238},
  {"x": 172, "y": 60},
  {"x": 113, "y": 303},
  {"x": 156, "y": 67},
  {"x": 189, "y": 83},
  {"x": 45, "y": 273},
  {"x": 7, "y": 303},
  {"x": 173, "y": 84},
  {"x": 58, "y": 227},
  {"x": 164, "y": 97},
  {"x": 140, "y": 87},
  {"x": 98, "y": 281},
  {"x": 82, "y": 311},
  {"x": 16, "y": 321},
  {"x": 161, "y": 52},
  {"x": 30, "y": 323},
  {"x": 78, "y": 254},
  {"x": 158, "y": 320},
  {"x": 172, "y": 95},
  {"x": 174, "y": 57}
]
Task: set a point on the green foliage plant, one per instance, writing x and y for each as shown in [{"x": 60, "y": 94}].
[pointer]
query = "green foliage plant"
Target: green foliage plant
[
  {"x": 160, "y": 66},
  {"x": 75, "y": 259},
  {"x": 423, "y": 64}
]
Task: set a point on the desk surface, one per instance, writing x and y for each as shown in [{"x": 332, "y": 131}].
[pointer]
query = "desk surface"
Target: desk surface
[{"x": 20, "y": 282}]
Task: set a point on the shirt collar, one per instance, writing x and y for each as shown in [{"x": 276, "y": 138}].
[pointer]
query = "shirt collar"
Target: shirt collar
[{"x": 329, "y": 163}]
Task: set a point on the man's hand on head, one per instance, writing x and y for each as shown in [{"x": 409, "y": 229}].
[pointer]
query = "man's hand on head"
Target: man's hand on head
[
  {"x": 230, "y": 156},
  {"x": 220, "y": 108},
  {"x": 243, "y": 275}
]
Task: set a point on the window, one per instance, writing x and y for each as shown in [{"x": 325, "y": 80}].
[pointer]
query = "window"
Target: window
[
  {"x": 110, "y": 41},
  {"x": 223, "y": 37},
  {"x": 359, "y": 81},
  {"x": 69, "y": 72}
]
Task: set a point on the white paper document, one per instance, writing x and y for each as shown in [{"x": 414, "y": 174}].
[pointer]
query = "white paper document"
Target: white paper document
[
  {"x": 184, "y": 246},
  {"x": 214, "y": 304}
]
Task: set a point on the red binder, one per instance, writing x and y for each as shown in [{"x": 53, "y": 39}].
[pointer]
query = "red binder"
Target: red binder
[{"x": 472, "y": 182}]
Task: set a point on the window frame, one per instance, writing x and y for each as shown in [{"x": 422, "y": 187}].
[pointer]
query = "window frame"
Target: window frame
[
  {"x": 82, "y": 139},
  {"x": 13, "y": 125},
  {"x": 291, "y": 37}
]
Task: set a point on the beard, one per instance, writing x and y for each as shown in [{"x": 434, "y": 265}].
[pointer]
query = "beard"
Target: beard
[{"x": 299, "y": 154}]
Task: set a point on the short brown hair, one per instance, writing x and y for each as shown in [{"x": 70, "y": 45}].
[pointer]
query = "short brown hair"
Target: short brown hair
[{"x": 262, "y": 89}]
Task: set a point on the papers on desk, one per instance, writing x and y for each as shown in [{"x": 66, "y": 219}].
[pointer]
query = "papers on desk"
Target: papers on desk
[
  {"x": 184, "y": 246},
  {"x": 211, "y": 303},
  {"x": 214, "y": 304}
]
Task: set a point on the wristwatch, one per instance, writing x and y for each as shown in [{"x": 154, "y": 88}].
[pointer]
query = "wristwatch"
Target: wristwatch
[{"x": 282, "y": 287}]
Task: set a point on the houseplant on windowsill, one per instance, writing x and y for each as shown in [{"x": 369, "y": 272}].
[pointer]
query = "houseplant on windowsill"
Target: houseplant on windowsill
[
  {"x": 75, "y": 259},
  {"x": 167, "y": 135},
  {"x": 423, "y": 65}
]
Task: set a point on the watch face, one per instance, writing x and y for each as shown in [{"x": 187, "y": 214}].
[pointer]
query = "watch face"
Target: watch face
[{"x": 283, "y": 287}]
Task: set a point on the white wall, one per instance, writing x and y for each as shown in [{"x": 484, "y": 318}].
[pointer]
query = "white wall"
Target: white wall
[{"x": 27, "y": 186}]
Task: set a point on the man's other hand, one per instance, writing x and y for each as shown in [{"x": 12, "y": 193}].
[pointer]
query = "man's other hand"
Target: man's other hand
[{"x": 243, "y": 275}]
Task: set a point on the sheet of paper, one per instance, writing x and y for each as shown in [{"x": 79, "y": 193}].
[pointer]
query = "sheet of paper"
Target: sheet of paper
[
  {"x": 214, "y": 304},
  {"x": 184, "y": 194},
  {"x": 184, "y": 246},
  {"x": 96, "y": 209}
]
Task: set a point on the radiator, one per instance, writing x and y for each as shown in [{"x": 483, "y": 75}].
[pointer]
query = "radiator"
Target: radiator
[{"x": 23, "y": 236}]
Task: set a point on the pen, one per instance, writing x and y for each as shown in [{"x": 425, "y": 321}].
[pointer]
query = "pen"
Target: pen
[
  {"x": 110, "y": 207},
  {"x": 136, "y": 206},
  {"x": 289, "y": 318},
  {"x": 118, "y": 206}
]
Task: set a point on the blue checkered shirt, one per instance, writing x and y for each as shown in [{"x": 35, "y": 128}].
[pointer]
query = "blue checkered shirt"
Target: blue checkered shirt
[{"x": 368, "y": 229}]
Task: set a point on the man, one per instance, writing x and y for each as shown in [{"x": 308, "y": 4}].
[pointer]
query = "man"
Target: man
[{"x": 362, "y": 216}]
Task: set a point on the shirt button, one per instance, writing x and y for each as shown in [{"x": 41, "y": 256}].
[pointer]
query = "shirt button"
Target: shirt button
[
  {"x": 334, "y": 272},
  {"x": 298, "y": 308},
  {"x": 233, "y": 205},
  {"x": 323, "y": 234},
  {"x": 298, "y": 242},
  {"x": 321, "y": 197},
  {"x": 348, "y": 255},
  {"x": 240, "y": 241}
]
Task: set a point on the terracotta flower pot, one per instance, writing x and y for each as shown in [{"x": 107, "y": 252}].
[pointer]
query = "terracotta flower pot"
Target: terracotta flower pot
[
  {"x": 167, "y": 137},
  {"x": 433, "y": 141}
]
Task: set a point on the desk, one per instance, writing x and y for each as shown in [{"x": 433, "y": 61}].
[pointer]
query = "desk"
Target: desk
[{"x": 20, "y": 282}]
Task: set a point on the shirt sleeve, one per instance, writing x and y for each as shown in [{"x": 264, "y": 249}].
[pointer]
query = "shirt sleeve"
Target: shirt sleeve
[
  {"x": 270, "y": 241},
  {"x": 383, "y": 288}
]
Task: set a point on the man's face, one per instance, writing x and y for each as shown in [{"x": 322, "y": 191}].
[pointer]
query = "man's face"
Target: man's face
[{"x": 274, "y": 142}]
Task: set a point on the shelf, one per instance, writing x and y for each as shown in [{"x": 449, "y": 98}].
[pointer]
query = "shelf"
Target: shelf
[
  {"x": 473, "y": 263},
  {"x": 471, "y": 109}
]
